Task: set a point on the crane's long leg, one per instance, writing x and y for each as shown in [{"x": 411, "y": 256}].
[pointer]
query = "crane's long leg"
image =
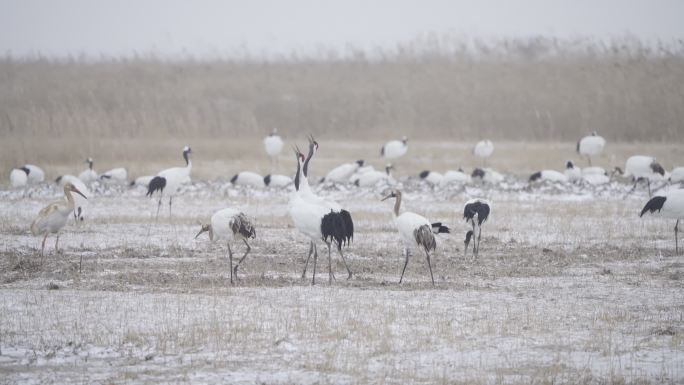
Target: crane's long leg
[
  {"x": 42, "y": 249},
  {"x": 57, "y": 245},
  {"x": 313, "y": 280},
  {"x": 406, "y": 251},
  {"x": 676, "y": 240},
  {"x": 170, "y": 199},
  {"x": 636, "y": 181},
  {"x": 158, "y": 207},
  {"x": 648, "y": 183},
  {"x": 479, "y": 235},
  {"x": 329, "y": 264},
  {"x": 230, "y": 259},
  {"x": 311, "y": 249},
  {"x": 427, "y": 254},
  {"x": 339, "y": 249},
  {"x": 242, "y": 259}
]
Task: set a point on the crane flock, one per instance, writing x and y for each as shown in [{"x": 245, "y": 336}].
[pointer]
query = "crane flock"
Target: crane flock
[{"x": 322, "y": 220}]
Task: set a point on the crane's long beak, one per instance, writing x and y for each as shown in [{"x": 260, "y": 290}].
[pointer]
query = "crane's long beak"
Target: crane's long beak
[
  {"x": 203, "y": 229},
  {"x": 74, "y": 189},
  {"x": 386, "y": 198}
]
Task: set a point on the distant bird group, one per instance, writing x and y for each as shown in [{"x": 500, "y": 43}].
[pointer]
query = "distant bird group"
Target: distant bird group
[{"x": 320, "y": 219}]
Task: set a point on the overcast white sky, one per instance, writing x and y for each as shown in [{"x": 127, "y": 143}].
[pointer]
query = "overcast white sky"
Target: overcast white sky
[{"x": 214, "y": 27}]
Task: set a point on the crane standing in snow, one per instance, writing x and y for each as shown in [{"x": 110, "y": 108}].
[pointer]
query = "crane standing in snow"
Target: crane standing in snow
[
  {"x": 476, "y": 211},
  {"x": 273, "y": 145},
  {"x": 483, "y": 150},
  {"x": 169, "y": 181},
  {"x": 591, "y": 145},
  {"x": 230, "y": 225},
  {"x": 415, "y": 230},
  {"x": 668, "y": 205}
]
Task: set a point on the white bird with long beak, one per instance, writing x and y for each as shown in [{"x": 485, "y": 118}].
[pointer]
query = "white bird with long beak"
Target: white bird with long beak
[
  {"x": 80, "y": 203},
  {"x": 170, "y": 180},
  {"x": 273, "y": 145},
  {"x": 230, "y": 225},
  {"x": 88, "y": 175},
  {"x": 591, "y": 145},
  {"x": 667, "y": 205},
  {"x": 415, "y": 230},
  {"x": 52, "y": 218},
  {"x": 476, "y": 211}
]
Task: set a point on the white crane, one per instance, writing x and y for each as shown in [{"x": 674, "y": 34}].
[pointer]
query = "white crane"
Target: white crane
[
  {"x": 275, "y": 180},
  {"x": 483, "y": 150},
  {"x": 248, "y": 178},
  {"x": 415, "y": 230},
  {"x": 339, "y": 220},
  {"x": 372, "y": 178},
  {"x": 432, "y": 177},
  {"x": 170, "y": 180},
  {"x": 395, "y": 148},
  {"x": 117, "y": 175},
  {"x": 549, "y": 175},
  {"x": 476, "y": 211},
  {"x": 88, "y": 175},
  {"x": 643, "y": 168},
  {"x": 35, "y": 175},
  {"x": 314, "y": 220},
  {"x": 574, "y": 174},
  {"x": 591, "y": 145},
  {"x": 80, "y": 203},
  {"x": 53, "y": 217},
  {"x": 230, "y": 225},
  {"x": 19, "y": 177},
  {"x": 667, "y": 205},
  {"x": 343, "y": 172},
  {"x": 457, "y": 176},
  {"x": 487, "y": 175},
  {"x": 273, "y": 145},
  {"x": 677, "y": 175},
  {"x": 142, "y": 181}
]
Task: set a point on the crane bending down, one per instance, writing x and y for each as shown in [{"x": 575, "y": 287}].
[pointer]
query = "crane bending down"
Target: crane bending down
[
  {"x": 53, "y": 217},
  {"x": 476, "y": 211},
  {"x": 230, "y": 225},
  {"x": 415, "y": 230}
]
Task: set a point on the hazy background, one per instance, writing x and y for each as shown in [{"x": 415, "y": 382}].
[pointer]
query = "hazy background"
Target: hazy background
[{"x": 92, "y": 74}]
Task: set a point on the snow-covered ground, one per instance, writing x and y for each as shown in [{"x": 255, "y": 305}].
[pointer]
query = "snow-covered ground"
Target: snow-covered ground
[{"x": 570, "y": 286}]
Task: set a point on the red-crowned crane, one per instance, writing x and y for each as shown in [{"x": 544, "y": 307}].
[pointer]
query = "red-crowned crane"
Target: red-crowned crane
[
  {"x": 88, "y": 175},
  {"x": 415, "y": 230},
  {"x": 667, "y": 205},
  {"x": 230, "y": 225},
  {"x": 170, "y": 180},
  {"x": 53, "y": 217},
  {"x": 476, "y": 211},
  {"x": 394, "y": 148},
  {"x": 273, "y": 145},
  {"x": 343, "y": 172},
  {"x": 337, "y": 216},
  {"x": 316, "y": 221},
  {"x": 483, "y": 150},
  {"x": 640, "y": 168},
  {"x": 19, "y": 177},
  {"x": 117, "y": 175},
  {"x": 35, "y": 175},
  {"x": 591, "y": 145},
  {"x": 249, "y": 179}
]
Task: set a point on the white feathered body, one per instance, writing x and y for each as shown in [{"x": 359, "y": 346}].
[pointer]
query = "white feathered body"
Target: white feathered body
[
  {"x": 276, "y": 180},
  {"x": 591, "y": 145},
  {"x": 639, "y": 166},
  {"x": 456, "y": 177},
  {"x": 115, "y": 176},
  {"x": 88, "y": 176},
  {"x": 175, "y": 178},
  {"x": 222, "y": 223},
  {"x": 36, "y": 174},
  {"x": 273, "y": 145},
  {"x": 18, "y": 178},
  {"x": 407, "y": 223},
  {"x": 248, "y": 178},
  {"x": 342, "y": 173},
  {"x": 395, "y": 149},
  {"x": 677, "y": 175},
  {"x": 483, "y": 149}
]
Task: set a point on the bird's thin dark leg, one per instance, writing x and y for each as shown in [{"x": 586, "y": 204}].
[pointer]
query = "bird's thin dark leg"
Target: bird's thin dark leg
[
  {"x": 406, "y": 251},
  {"x": 648, "y": 183},
  {"x": 313, "y": 280},
  {"x": 230, "y": 259},
  {"x": 427, "y": 254},
  {"x": 339, "y": 249},
  {"x": 42, "y": 249},
  {"x": 243, "y": 258},
  {"x": 57, "y": 245},
  {"x": 676, "y": 240},
  {"x": 80, "y": 264},
  {"x": 158, "y": 207},
  {"x": 311, "y": 250},
  {"x": 479, "y": 235},
  {"x": 636, "y": 181},
  {"x": 329, "y": 265},
  {"x": 170, "y": 199}
]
